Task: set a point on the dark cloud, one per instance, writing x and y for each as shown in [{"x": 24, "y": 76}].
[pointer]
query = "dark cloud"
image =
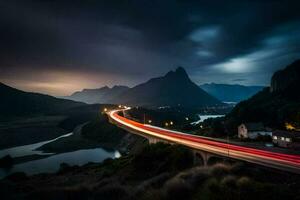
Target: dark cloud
[
  {"x": 239, "y": 80},
  {"x": 137, "y": 39}
]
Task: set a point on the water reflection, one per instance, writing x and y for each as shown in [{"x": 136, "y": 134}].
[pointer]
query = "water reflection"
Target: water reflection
[{"x": 52, "y": 163}]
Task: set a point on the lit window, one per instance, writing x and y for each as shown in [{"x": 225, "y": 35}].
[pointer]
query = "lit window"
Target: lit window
[
  {"x": 288, "y": 139},
  {"x": 282, "y": 138},
  {"x": 275, "y": 137}
]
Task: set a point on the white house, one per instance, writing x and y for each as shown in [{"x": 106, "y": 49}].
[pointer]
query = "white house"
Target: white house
[
  {"x": 287, "y": 139},
  {"x": 252, "y": 130}
]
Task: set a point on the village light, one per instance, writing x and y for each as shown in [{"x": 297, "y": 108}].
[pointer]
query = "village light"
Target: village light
[
  {"x": 171, "y": 123},
  {"x": 289, "y": 126},
  {"x": 120, "y": 106},
  {"x": 166, "y": 124},
  {"x": 186, "y": 118},
  {"x": 149, "y": 121},
  {"x": 105, "y": 109}
]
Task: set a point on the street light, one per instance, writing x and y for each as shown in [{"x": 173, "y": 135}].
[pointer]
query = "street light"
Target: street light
[
  {"x": 166, "y": 124},
  {"x": 120, "y": 106},
  {"x": 149, "y": 121},
  {"x": 105, "y": 109},
  {"x": 171, "y": 123}
]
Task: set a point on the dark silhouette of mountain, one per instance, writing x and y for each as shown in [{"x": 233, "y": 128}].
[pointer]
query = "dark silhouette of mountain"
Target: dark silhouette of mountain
[
  {"x": 14, "y": 102},
  {"x": 173, "y": 89},
  {"x": 231, "y": 93},
  {"x": 275, "y": 105},
  {"x": 287, "y": 81},
  {"x": 99, "y": 95}
]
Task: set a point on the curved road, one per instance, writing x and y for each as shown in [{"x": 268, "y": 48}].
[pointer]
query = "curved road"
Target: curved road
[{"x": 281, "y": 161}]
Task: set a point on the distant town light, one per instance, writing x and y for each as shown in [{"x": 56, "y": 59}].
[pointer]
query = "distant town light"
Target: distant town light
[
  {"x": 186, "y": 118},
  {"x": 120, "y": 106},
  {"x": 171, "y": 123},
  {"x": 201, "y": 126},
  {"x": 105, "y": 109},
  {"x": 166, "y": 124},
  {"x": 149, "y": 121},
  {"x": 289, "y": 126}
]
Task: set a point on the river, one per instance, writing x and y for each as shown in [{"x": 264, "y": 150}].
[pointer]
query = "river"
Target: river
[
  {"x": 53, "y": 161},
  {"x": 204, "y": 117}
]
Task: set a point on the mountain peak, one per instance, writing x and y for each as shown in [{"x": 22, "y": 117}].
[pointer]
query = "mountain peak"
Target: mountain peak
[
  {"x": 119, "y": 86},
  {"x": 180, "y": 70},
  {"x": 104, "y": 87},
  {"x": 178, "y": 73}
]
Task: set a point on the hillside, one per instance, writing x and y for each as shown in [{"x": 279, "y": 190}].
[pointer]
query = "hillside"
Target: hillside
[
  {"x": 173, "y": 89},
  {"x": 14, "y": 103},
  {"x": 99, "y": 95},
  {"x": 273, "y": 106},
  {"x": 230, "y": 93},
  {"x": 158, "y": 171}
]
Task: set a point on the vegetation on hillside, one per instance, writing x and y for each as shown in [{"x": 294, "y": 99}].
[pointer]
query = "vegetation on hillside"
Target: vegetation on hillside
[
  {"x": 17, "y": 103},
  {"x": 158, "y": 171},
  {"x": 273, "y": 109},
  {"x": 100, "y": 130}
]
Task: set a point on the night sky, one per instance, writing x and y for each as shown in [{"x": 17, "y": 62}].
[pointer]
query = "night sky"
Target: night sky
[{"x": 57, "y": 47}]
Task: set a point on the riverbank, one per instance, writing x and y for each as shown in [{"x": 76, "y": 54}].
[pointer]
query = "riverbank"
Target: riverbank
[
  {"x": 104, "y": 136},
  {"x": 66, "y": 143},
  {"x": 47, "y": 156},
  {"x": 33, "y": 129},
  {"x": 72, "y": 143},
  {"x": 25, "y": 131}
]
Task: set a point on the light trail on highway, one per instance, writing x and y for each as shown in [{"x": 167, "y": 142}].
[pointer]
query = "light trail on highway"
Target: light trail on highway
[{"x": 281, "y": 161}]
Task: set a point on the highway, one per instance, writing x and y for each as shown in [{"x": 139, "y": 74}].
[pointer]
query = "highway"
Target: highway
[{"x": 286, "y": 162}]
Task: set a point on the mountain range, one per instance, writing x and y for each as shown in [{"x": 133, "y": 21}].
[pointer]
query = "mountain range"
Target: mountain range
[
  {"x": 230, "y": 93},
  {"x": 163, "y": 91},
  {"x": 173, "y": 89},
  {"x": 100, "y": 95}
]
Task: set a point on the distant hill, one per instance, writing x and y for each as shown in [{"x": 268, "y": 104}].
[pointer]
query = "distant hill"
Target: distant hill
[
  {"x": 14, "y": 102},
  {"x": 275, "y": 105},
  {"x": 100, "y": 95},
  {"x": 173, "y": 89},
  {"x": 231, "y": 93}
]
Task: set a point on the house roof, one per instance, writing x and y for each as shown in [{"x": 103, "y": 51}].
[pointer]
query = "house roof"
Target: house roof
[{"x": 255, "y": 126}]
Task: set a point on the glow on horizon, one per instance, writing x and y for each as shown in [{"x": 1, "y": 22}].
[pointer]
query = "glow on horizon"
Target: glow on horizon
[{"x": 57, "y": 83}]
